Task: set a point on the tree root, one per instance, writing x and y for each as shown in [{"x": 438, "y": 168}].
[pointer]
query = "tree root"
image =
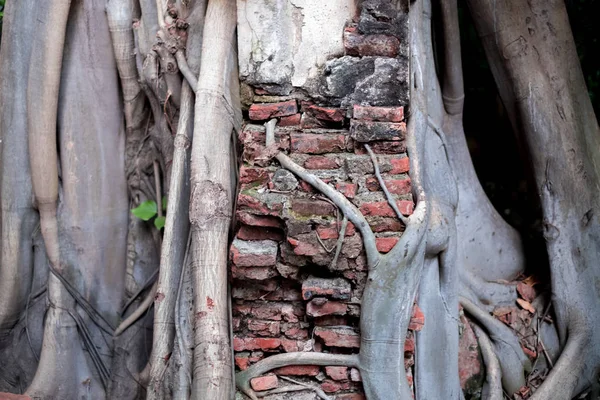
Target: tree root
[
  {"x": 390, "y": 199},
  {"x": 492, "y": 389},
  {"x": 243, "y": 378},
  {"x": 138, "y": 312},
  {"x": 512, "y": 360}
]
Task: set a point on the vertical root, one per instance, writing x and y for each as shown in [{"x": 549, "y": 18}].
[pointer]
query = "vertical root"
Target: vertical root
[{"x": 492, "y": 389}]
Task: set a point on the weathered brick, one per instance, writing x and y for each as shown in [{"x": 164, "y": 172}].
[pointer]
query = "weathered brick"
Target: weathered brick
[
  {"x": 241, "y": 344},
  {"x": 294, "y": 331},
  {"x": 264, "y": 328},
  {"x": 321, "y": 143},
  {"x": 253, "y": 273},
  {"x": 383, "y": 209},
  {"x": 332, "y": 231},
  {"x": 309, "y": 122},
  {"x": 256, "y": 233},
  {"x": 355, "y": 375},
  {"x": 337, "y": 288},
  {"x": 242, "y": 360},
  {"x": 259, "y": 220},
  {"x": 368, "y": 131},
  {"x": 338, "y": 336},
  {"x": 292, "y": 346},
  {"x": 347, "y": 189},
  {"x": 383, "y": 114},
  {"x": 385, "y": 244},
  {"x": 409, "y": 344},
  {"x": 253, "y": 175},
  {"x": 370, "y": 45},
  {"x": 263, "y": 111},
  {"x": 266, "y": 382},
  {"x": 417, "y": 319},
  {"x": 321, "y": 162},
  {"x": 258, "y": 253},
  {"x": 326, "y": 113},
  {"x": 383, "y": 147},
  {"x": 290, "y": 120},
  {"x": 337, "y": 373},
  {"x": 259, "y": 207},
  {"x": 298, "y": 370},
  {"x": 400, "y": 165},
  {"x": 308, "y": 207},
  {"x": 385, "y": 224},
  {"x": 318, "y": 308},
  {"x": 394, "y": 186},
  {"x": 330, "y": 386}
]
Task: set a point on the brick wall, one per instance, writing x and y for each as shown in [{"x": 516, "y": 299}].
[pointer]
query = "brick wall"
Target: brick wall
[{"x": 288, "y": 294}]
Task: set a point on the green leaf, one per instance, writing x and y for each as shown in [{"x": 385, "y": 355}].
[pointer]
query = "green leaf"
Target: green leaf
[
  {"x": 145, "y": 210},
  {"x": 164, "y": 203},
  {"x": 159, "y": 222}
]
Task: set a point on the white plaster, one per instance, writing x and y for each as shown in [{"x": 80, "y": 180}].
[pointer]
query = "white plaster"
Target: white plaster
[{"x": 286, "y": 41}]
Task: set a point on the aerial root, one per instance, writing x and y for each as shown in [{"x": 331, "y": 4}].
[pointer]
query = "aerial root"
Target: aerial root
[
  {"x": 492, "y": 389},
  {"x": 390, "y": 199},
  {"x": 242, "y": 379},
  {"x": 139, "y": 312}
]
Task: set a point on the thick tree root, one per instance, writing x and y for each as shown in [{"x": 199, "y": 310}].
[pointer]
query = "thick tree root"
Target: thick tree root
[{"x": 243, "y": 378}]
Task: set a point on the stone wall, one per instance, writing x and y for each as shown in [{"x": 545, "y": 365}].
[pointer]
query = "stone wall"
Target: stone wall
[{"x": 336, "y": 78}]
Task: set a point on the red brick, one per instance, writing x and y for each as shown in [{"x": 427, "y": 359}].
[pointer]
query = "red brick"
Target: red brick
[
  {"x": 307, "y": 187},
  {"x": 385, "y": 244},
  {"x": 332, "y": 231},
  {"x": 252, "y": 175},
  {"x": 263, "y": 111},
  {"x": 383, "y": 209},
  {"x": 370, "y": 45},
  {"x": 337, "y": 373},
  {"x": 321, "y": 143},
  {"x": 241, "y": 344},
  {"x": 242, "y": 361},
  {"x": 338, "y": 336},
  {"x": 10, "y": 396},
  {"x": 265, "y": 382},
  {"x": 308, "y": 207},
  {"x": 290, "y": 120},
  {"x": 298, "y": 370},
  {"x": 316, "y": 308},
  {"x": 385, "y": 224},
  {"x": 326, "y": 113},
  {"x": 295, "y": 332},
  {"x": 395, "y": 186},
  {"x": 400, "y": 165},
  {"x": 329, "y": 386},
  {"x": 259, "y": 220},
  {"x": 347, "y": 189},
  {"x": 417, "y": 319},
  {"x": 384, "y": 114},
  {"x": 265, "y": 328},
  {"x": 256, "y": 233},
  {"x": 308, "y": 249},
  {"x": 321, "y": 162}
]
